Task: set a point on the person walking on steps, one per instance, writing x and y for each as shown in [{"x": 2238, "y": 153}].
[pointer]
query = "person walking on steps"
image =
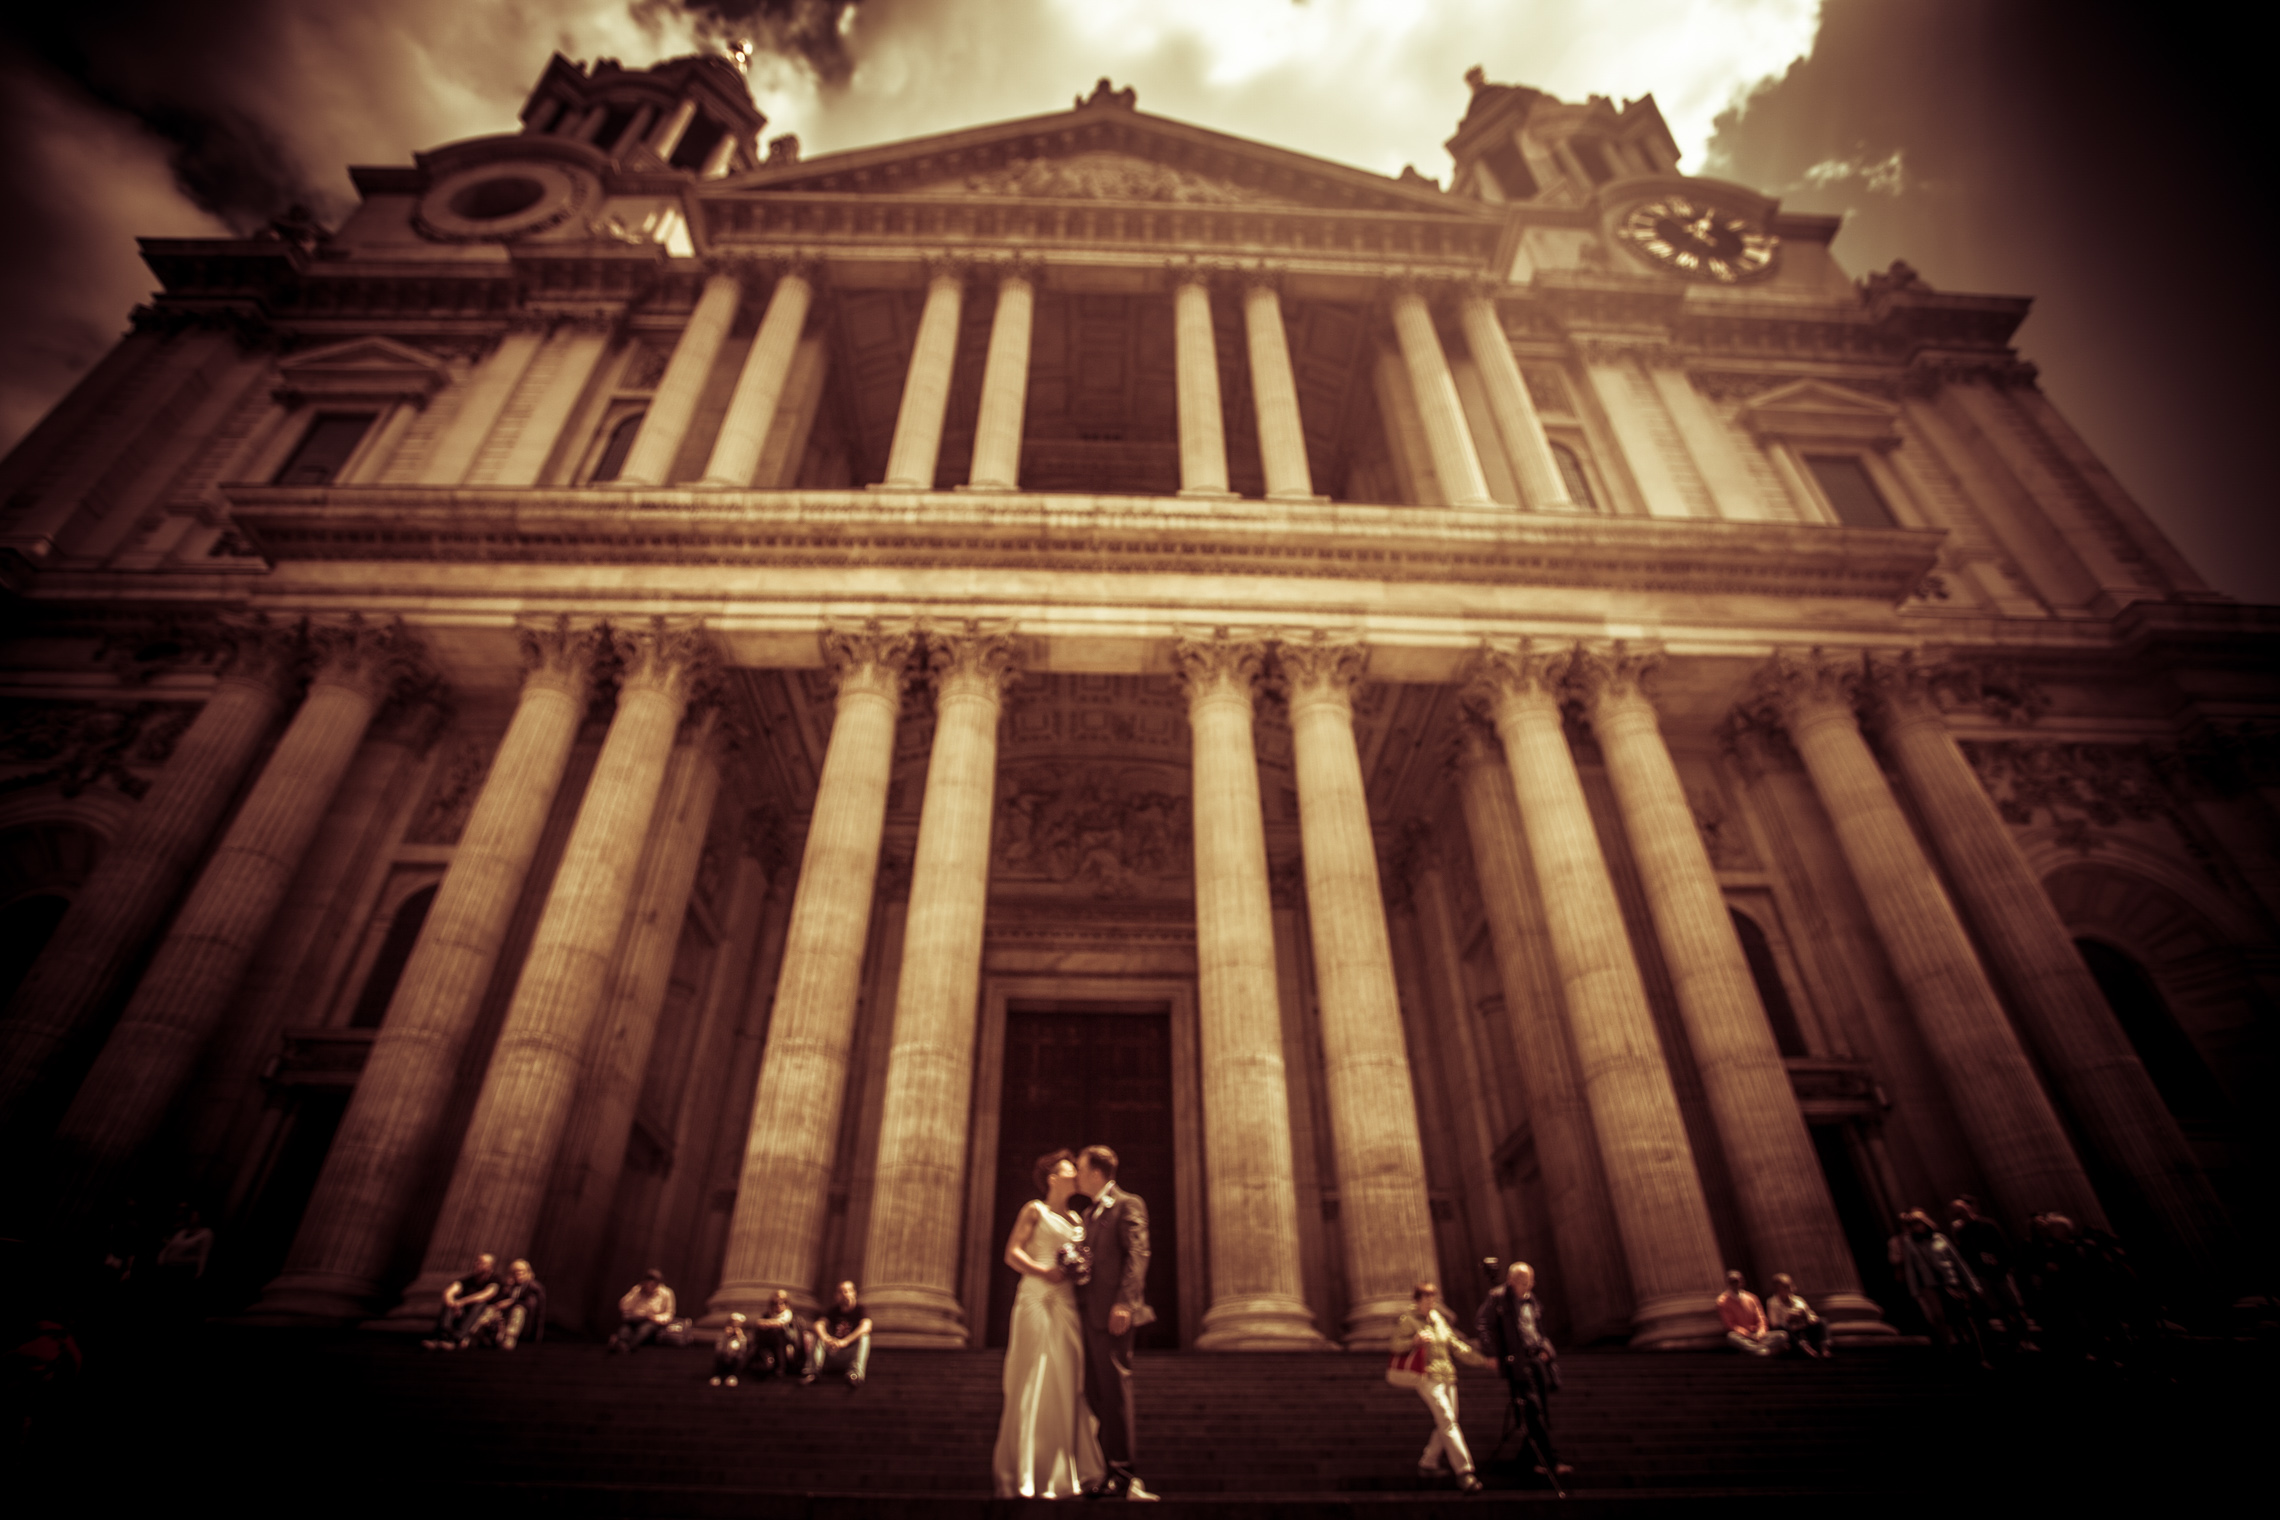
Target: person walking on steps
[
  {"x": 1509, "y": 1328},
  {"x": 1428, "y": 1350}
]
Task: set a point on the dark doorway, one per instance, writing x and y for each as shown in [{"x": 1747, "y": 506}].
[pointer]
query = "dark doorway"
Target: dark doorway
[
  {"x": 258, "y": 1246},
  {"x": 1865, "y": 1223},
  {"x": 1090, "y": 1073}
]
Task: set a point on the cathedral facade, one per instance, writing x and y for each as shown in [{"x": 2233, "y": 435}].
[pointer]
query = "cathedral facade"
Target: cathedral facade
[{"x": 649, "y": 700}]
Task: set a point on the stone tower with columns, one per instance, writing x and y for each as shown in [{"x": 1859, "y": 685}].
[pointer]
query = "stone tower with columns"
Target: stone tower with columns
[{"x": 639, "y": 702}]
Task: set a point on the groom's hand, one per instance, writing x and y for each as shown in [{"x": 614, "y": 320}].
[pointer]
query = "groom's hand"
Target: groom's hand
[{"x": 1119, "y": 1320}]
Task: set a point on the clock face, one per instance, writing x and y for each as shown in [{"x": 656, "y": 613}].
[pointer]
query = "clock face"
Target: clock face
[{"x": 1699, "y": 240}]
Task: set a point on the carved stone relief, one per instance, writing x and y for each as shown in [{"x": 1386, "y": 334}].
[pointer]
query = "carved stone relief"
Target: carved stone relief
[
  {"x": 1111, "y": 831},
  {"x": 2082, "y": 788},
  {"x": 77, "y": 746},
  {"x": 457, "y": 781}
]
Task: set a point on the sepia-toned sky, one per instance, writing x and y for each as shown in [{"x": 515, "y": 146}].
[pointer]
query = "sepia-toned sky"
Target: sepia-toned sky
[{"x": 2105, "y": 158}]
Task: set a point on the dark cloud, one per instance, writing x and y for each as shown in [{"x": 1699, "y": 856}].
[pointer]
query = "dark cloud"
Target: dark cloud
[
  {"x": 810, "y": 31},
  {"x": 2103, "y": 158}
]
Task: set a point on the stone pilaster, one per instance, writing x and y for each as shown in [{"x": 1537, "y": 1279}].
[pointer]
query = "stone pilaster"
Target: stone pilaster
[
  {"x": 777, "y": 1229},
  {"x": 2022, "y": 1148},
  {"x": 139, "y": 874},
  {"x": 1258, "y": 1297},
  {"x": 1383, "y": 1207},
  {"x": 2082, "y": 1047},
  {"x": 1784, "y": 1200},
  {"x": 760, "y": 383},
  {"x": 523, "y": 1108},
  {"x": 341, "y": 1252},
  {"x": 1274, "y": 393},
  {"x": 674, "y": 403},
  {"x": 1203, "y": 429},
  {"x": 1455, "y": 461},
  {"x": 926, "y": 387},
  {"x": 1587, "y": 1253},
  {"x": 911, "y": 1259},
  {"x": 187, "y": 990},
  {"x": 1660, "y": 1210},
  {"x": 1005, "y": 383}
]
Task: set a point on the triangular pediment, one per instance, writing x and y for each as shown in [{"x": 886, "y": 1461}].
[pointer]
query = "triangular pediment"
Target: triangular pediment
[
  {"x": 1814, "y": 410},
  {"x": 364, "y": 367},
  {"x": 1105, "y": 152}
]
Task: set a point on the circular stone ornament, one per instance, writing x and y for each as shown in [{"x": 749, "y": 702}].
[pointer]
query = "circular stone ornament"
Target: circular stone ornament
[
  {"x": 1699, "y": 239},
  {"x": 498, "y": 203}
]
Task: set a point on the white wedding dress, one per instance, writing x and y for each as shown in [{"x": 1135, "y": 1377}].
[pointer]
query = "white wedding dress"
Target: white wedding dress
[{"x": 1048, "y": 1444}]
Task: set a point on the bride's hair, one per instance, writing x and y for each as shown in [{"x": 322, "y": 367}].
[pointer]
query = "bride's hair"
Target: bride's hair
[{"x": 1042, "y": 1172}]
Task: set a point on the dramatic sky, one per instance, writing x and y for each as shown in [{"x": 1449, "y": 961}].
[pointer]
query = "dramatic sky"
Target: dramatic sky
[{"x": 2093, "y": 154}]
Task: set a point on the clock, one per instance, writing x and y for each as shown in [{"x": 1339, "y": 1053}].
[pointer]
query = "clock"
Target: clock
[{"x": 1699, "y": 240}]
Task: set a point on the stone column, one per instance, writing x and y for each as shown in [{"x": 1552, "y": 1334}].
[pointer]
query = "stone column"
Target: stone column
[
  {"x": 1274, "y": 392},
  {"x": 674, "y": 403},
  {"x": 2082, "y": 1047},
  {"x": 341, "y": 1253},
  {"x": 667, "y": 137},
  {"x": 591, "y": 1157},
  {"x": 524, "y": 1106},
  {"x": 2022, "y": 1148},
  {"x": 1005, "y": 384},
  {"x": 187, "y": 990},
  {"x": 760, "y": 384},
  {"x": 777, "y": 1229},
  {"x": 1258, "y": 1298},
  {"x": 1676, "y": 1272},
  {"x": 1778, "y": 1186},
  {"x": 911, "y": 1258},
  {"x": 558, "y": 379},
  {"x": 1530, "y": 452},
  {"x": 1450, "y": 442},
  {"x": 1382, "y": 1201},
  {"x": 482, "y": 400},
  {"x": 140, "y": 872},
  {"x": 1203, "y": 437},
  {"x": 1593, "y": 1281},
  {"x": 926, "y": 389}
]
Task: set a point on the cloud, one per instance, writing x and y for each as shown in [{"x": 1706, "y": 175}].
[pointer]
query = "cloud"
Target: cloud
[{"x": 1878, "y": 176}]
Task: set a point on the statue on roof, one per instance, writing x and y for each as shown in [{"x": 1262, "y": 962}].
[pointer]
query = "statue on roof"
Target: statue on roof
[{"x": 1103, "y": 94}]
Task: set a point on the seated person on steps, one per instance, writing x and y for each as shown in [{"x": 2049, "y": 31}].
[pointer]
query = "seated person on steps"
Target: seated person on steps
[
  {"x": 731, "y": 1351},
  {"x": 646, "y": 1309},
  {"x": 842, "y": 1338},
  {"x": 463, "y": 1300},
  {"x": 1790, "y": 1316},
  {"x": 1744, "y": 1317},
  {"x": 776, "y": 1341},
  {"x": 518, "y": 1311}
]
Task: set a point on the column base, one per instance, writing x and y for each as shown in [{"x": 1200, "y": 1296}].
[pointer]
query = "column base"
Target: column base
[
  {"x": 1686, "y": 1322},
  {"x": 312, "y": 1299},
  {"x": 1270, "y": 1322},
  {"x": 916, "y": 1317},
  {"x": 1370, "y": 1323},
  {"x": 989, "y": 487},
  {"x": 1197, "y": 493},
  {"x": 415, "y": 1311},
  {"x": 753, "y": 1298},
  {"x": 1308, "y": 497},
  {"x": 897, "y": 485},
  {"x": 1854, "y": 1319}
]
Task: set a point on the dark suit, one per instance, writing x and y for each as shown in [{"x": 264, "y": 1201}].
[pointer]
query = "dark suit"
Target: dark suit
[
  {"x": 1116, "y": 1240},
  {"x": 1510, "y": 1327}
]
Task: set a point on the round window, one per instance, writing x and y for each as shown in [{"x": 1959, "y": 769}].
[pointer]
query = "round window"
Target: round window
[{"x": 488, "y": 200}]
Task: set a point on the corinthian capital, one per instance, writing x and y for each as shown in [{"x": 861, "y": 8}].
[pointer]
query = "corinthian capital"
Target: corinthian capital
[
  {"x": 977, "y": 660},
  {"x": 1792, "y": 685},
  {"x": 261, "y": 652},
  {"x": 869, "y": 658},
  {"x": 380, "y": 660},
  {"x": 1219, "y": 666},
  {"x": 559, "y": 651},
  {"x": 1613, "y": 674},
  {"x": 1529, "y": 671},
  {"x": 672, "y": 655},
  {"x": 1320, "y": 669}
]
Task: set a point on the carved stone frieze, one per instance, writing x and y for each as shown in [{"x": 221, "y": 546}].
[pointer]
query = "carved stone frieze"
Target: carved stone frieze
[
  {"x": 1101, "y": 177},
  {"x": 452, "y": 789},
  {"x": 1112, "y": 831},
  {"x": 79, "y": 745},
  {"x": 2080, "y": 788}
]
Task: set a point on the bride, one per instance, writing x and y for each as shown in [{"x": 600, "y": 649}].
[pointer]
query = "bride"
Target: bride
[{"x": 1048, "y": 1444}]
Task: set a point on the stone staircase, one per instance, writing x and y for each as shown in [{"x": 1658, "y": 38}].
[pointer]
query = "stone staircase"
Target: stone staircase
[{"x": 564, "y": 1428}]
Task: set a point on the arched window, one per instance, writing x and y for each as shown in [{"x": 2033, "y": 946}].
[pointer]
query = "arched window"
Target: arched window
[
  {"x": 1788, "y": 1034},
  {"x": 2171, "y": 1058},
  {"x": 388, "y": 965},
  {"x": 1571, "y": 475},
  {"x": 619, "y": 445}
]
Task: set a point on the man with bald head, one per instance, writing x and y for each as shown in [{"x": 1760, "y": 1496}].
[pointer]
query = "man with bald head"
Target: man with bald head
[{"x": 1510, "y": 1327}]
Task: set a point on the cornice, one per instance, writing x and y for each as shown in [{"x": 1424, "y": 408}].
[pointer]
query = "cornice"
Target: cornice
[{"x": 1079, "y": 533}]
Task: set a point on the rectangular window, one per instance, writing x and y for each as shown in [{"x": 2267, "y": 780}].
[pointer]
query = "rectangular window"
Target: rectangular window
[
  {"x": 1845, "y": 481},
  {"x": 1593, "y": 157},
  {"x": 332, "y": 437},
  {"x": 1511, "y": 171}
]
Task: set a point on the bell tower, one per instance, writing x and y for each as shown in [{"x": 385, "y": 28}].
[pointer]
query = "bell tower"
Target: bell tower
[
  {"x": 1517, "y": 144},
  {"x": 693, "y": 114}
]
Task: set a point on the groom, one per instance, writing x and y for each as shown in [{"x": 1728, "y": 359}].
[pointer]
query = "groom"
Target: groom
[{"x": 1116, "y": 1242}]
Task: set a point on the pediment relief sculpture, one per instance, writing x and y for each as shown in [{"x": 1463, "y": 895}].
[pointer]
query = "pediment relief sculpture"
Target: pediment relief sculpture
[
  {"x": 1100, "y": 177},
  {"x": 1111, "y": 831}
]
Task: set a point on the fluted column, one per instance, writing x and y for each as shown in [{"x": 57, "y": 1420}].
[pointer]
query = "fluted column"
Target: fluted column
[
  {"x": 187, "y": 990},
  {"x": 591, "y": 1156},
  {"x": 918, "y": 1198},
  {"x": 777, "y": 1229},
  {"x": 1274, "y": 392},
  {"x": 2082, "y": 1046},
  {"x": 1778, "y": 1186},
  {"x": 341, "y": 1253},
  {"x": 1530, "y": 452},
  {"x": 2022, "y": 1148},
  {"x": 484, "y": 396},
  {"x": 1593, "y": 1281},
  {"x": 509, "y": 1150},
  {"x": 1258, "y": 1297},
  {"x": 1005, "y": 384},
  {"x": 1660, "y": 1210},
  {"x": 926, "y": 388},
  {"x": 674, "y": 403},
  {"x": 1195, "y": 352},
  {"x": 1450, "y": 442},
  {"x": 1382, "y": 1201},
  {"x": 140, "y": 872},
  {"x": 760, "y": 384}
]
